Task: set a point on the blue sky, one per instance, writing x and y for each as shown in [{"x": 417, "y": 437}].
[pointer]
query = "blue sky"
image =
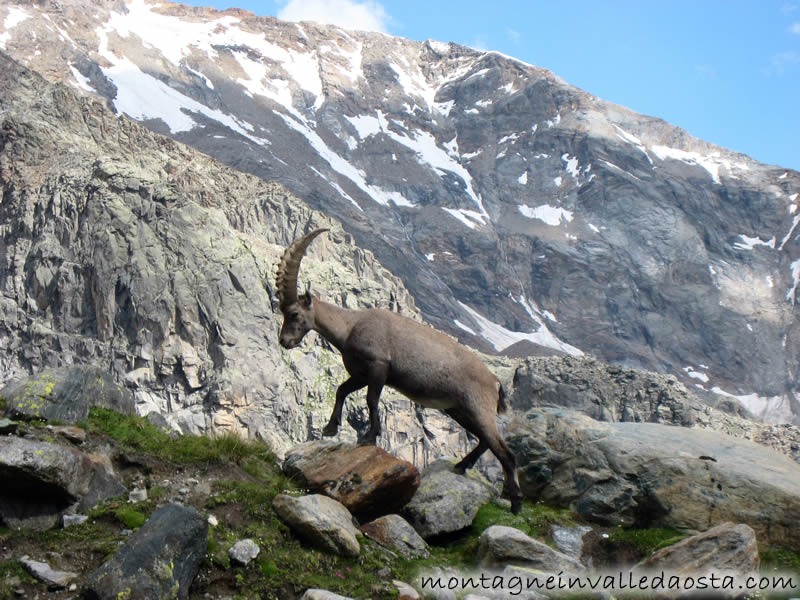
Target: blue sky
[{"x": 726, "y": 71}]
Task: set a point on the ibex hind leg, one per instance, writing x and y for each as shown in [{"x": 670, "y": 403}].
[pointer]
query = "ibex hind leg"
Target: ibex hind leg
[{"x": 489, "y": 438}]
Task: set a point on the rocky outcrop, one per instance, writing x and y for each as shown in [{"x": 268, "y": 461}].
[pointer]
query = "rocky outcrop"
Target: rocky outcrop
[
  {"x": 159, "y": 561},
  {"x": 65, "y": 394},
  {"x": 125, "y": 250},
  {"x": 44, "y": 480},
  {"x": 446, "y": 502},
  {"x": 647, "y": 474},
  {"x": 367, "y": 480},
  {"x": 320, "y": 520}
]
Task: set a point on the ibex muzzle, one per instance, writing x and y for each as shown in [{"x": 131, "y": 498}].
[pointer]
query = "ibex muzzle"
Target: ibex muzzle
[{"x": 381, "y": 348}]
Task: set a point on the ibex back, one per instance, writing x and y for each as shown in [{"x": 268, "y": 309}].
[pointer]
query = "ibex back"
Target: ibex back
[{"x": 381, "y": 348}]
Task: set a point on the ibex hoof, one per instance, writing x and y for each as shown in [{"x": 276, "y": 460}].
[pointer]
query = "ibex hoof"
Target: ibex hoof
[
  {"x": 516, "y": 505},
  {"x": 330, "y": 430}
]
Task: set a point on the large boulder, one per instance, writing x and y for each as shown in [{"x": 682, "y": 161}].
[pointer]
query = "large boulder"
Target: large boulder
[
  {"x": 500, "y": 546},
  {"x": 726, "y": 548},
  {"x": 320, "y": 520},
  {"x": 445, "y": 501},
  {"x": 369, "y": 481},
  {"x": 42, "y": 480},
  {"x": 159, "y": 561},
  {"x": 646, "y": 474},
  {"x": 64, "y": 394}
]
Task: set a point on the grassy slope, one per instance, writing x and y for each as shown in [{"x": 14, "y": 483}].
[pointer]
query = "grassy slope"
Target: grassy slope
[{"x": 236, "y": 480}]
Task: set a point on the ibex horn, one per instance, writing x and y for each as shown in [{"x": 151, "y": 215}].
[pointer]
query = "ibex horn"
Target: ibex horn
[{"x": 286, "y": 280}]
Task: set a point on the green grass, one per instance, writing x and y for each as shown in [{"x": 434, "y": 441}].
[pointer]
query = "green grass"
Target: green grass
[
  {"x": 9, "y": 571},
  {"x": 647, "y": 541},
  {"x": 780, "y": 560},
  {"x": 138, "y": 435}
]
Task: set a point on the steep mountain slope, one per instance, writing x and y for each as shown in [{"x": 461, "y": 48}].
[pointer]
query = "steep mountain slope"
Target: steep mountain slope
[
  {"x": 523, "y": 214},
  {"x": 122, "y": 249}
]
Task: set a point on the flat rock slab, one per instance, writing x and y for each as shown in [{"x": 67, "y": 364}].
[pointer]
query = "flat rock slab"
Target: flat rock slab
[
  {"x": 394, "y": 532},
  {"x": 43, "y": 572},
  {"x": 41, "y": 480},
  {"x": 445, "y": 501},
  {"x": 369, "y": 481},
  {"x": 320, "y": 520},
  {"x": 159, "y": 561},
  {"x": 646, "y": 474}
]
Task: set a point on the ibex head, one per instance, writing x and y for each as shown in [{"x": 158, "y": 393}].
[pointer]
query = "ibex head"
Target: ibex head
[{"x": 298, "y": 313}]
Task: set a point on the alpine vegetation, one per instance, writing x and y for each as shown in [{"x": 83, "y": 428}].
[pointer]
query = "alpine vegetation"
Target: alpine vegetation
[{"x": 381, "y": 348}]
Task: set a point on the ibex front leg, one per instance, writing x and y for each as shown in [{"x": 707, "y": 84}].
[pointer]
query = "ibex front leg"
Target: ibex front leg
[{"x": 344, "y": 390}]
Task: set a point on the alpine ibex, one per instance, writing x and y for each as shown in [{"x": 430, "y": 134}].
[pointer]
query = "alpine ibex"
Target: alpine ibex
[{"x": 380, "y": 348}]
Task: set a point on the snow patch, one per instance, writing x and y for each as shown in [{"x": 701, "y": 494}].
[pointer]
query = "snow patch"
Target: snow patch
[
  {"x": 795, "y": 268},
  {"x": 696, "y": 374},
  {"x": 551, "y": 215},
  {"x": 572, "y": 164},
  {"x": 557, "y": 181},
  {"x": 467, "y": 217},
  {"x": 774, "y": 409},
  {"x": 501, "y": 338},
  {"x": 711, "y": 163},
  {"x": 14, "y": 17},
  {"x": 523, "y": 179},
  {"x": 82, "y": 81},
  {"x": 748, "y": 243}
]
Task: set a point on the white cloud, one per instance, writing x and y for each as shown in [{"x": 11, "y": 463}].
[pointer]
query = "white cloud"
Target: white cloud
[
  {"x": 348, "y": 14},
  {"x": 795, "y": 28}
]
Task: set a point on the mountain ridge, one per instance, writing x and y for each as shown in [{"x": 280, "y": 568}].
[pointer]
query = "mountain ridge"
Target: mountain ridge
[{"x": 519, "y": 210}]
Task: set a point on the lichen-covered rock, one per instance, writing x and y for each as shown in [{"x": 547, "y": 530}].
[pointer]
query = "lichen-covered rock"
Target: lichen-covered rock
[
  {"x": 42, "y": 480},
  {"x": 648, "y": 474},
  {"x": 394, "y": 532},
  {"x": 65, "y": 394},
  {"x": 160, "y": 560},
  {"x": 320, "y": 520},
  {"x": 500, "y": 546},
  {"x": 445, "y": 501},
  {"x": 368, "y": 480}
]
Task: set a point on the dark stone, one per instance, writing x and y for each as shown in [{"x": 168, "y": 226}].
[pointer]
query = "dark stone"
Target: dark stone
[{"x": 160, "y": 560}]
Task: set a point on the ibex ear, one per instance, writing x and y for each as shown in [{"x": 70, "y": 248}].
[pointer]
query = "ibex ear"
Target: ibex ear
[{"x": 305, "y": 299}]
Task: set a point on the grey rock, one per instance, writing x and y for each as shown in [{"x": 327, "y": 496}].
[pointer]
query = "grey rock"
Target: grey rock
[
  {"x": 65, "y": 394},
  {"x": 8, "y": 427},
  {"x": 405, "y": 591},
  {"x": 570, "y": 539},
  {"x": 161, "y": 559},
  {"x": 137, "y": 495},
  {"x": 317, "y": 594},
  {"x": 244, "y": 552},
  {"x": 320, "y": 520},
  {"x": 647, "y": 474},
  {"x": 394, "y": 532},
  {"x": 42, "y": 480},
  {"x": 71, "y": 520},
  {"x": 500, "y": 546},
  {"x": 446, "y": 502},
  {"x": 43, "y": 572},
  {"x": 726, "y": 548}
]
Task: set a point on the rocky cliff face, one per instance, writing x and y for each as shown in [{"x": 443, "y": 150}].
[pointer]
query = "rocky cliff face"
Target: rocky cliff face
[
  {"x": 125, "y": 250},
  {"x": 523, "y": 214}
]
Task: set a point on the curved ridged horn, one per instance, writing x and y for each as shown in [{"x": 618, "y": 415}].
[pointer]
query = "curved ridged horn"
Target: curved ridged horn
[{"x": 286, "y": 279}]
